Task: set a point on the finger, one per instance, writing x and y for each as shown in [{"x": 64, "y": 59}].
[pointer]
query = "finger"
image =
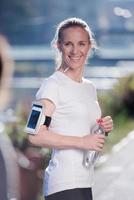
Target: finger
[
  {"x": 100, "y": 145},
  {"x": 98, "y": 149},
  {"x": 108, "y": 122},
  {"x": 108, "y": 128},
  {"x": 100, "y": 136},
  {"x": 107, "y": 118},
  {"x": 102, "y": 142}
]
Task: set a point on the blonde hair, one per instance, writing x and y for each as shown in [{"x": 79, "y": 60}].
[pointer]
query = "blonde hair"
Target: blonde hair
[{"x": 70, "y": 22}]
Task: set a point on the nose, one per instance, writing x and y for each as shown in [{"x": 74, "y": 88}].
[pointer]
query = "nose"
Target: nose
[{"x": 74, "y": 49}]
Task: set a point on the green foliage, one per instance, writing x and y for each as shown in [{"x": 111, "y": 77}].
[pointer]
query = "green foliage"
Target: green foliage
[
  {"x": 119, "y": 103},
  {"x": 120, "y": 100},
  {"x": 122, "y": 126}
]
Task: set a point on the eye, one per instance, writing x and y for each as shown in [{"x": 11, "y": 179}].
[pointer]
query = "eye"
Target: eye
[
  {"x": 68, "y": 44},
  {"x": 82, "y": 44}
]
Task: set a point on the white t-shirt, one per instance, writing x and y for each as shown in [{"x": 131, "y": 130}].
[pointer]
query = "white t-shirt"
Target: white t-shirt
[{"x": 76, "y": 112}]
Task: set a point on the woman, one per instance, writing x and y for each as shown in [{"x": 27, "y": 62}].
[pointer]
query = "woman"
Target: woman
[{"x": 71, "y": 102}]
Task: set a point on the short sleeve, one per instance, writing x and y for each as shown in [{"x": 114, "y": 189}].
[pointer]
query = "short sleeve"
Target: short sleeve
[
  {"x": 92, "y": 89},
  {"x": 95, "y": 92},
  {"x": 48, "y": 90}
]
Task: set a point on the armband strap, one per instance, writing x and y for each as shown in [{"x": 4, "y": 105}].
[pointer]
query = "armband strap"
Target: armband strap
[{"x": 47, "y": 121}]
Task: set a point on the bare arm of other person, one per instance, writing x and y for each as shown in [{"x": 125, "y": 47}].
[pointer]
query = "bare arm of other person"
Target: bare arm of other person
[{"x": 47, "y": 138}]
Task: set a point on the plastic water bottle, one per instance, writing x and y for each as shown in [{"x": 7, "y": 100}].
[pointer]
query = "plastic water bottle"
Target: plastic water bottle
[{"x": 91, "y": 157}]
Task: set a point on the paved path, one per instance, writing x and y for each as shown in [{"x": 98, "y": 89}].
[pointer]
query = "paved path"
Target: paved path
[{"x": 114, "y": 180}]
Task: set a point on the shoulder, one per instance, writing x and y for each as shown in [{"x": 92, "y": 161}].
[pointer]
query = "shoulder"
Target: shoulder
[
  {"x": 48, "y": 88},
  {"x": 53, "y": 79},
  {"x": 49, "y": 83},
  {"x": 91, "y": 87},
  {"x": 89, "y": 83}
]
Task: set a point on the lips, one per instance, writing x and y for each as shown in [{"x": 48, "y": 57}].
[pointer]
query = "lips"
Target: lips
[{"x": 75, "y": 58}]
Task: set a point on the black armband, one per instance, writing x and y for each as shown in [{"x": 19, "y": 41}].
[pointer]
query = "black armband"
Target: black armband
[{"x": 47, "y": 121}]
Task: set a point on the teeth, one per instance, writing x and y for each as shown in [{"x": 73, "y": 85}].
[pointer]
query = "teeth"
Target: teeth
[{"x": 75, "y": 58}]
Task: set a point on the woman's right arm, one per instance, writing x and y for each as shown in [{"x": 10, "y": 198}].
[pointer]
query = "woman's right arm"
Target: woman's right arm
[{"x": 46, "y": 138}]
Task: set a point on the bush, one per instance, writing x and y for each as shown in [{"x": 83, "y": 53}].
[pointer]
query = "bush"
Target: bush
[
  {"x": 120, "y": 100},
  {"x": 119, "y": 103}
]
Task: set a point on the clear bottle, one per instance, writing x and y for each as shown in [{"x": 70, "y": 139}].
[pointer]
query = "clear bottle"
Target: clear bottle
[{"x": 91, "y": 157}]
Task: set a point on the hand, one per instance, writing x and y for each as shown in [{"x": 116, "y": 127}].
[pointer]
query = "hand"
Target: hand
[
  {"x": 93, "y": 142},
  {"x": 107, "y": 123}
]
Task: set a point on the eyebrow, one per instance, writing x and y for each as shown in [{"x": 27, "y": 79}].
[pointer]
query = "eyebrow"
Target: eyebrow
[{"x": 71, "y": 41}]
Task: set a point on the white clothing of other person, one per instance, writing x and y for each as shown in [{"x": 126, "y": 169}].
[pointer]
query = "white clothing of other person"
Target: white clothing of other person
[{"x": 71, "y": 101}]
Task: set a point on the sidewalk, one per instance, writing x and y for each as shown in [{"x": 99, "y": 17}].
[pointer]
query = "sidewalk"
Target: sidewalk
[{"x": 114, "y": 180}]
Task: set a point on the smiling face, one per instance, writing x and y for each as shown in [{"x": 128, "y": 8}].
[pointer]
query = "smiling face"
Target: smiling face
[{"x": 74, "y": 46}]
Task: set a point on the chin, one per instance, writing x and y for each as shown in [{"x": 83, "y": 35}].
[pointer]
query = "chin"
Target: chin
[
  {"x": 74, "y": 65},
  {"x": 77, "y": 65}
]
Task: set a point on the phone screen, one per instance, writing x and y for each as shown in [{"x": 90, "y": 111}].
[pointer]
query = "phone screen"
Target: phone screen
[{"x": 33, "y": 119}]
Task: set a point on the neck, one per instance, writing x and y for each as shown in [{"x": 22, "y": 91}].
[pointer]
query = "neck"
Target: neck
[{"x": 74, "y": 74}]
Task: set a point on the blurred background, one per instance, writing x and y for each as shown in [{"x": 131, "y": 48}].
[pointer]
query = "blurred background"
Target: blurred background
[{"x": 29, "y": 27}]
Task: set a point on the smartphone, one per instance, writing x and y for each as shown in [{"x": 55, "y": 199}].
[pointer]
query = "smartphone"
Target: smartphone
[{"x": 35, "y": 118}]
